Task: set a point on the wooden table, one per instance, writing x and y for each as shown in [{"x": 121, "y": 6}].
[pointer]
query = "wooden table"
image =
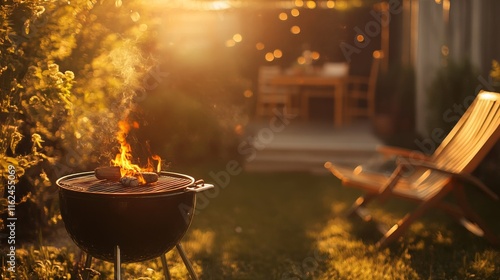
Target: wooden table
[{"x": 338, "y": 83}]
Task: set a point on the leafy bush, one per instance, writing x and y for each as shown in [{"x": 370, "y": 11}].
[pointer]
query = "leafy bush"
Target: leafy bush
[
  {"x": 452, "y": 86},
  {"x": 47, "y": 262}
]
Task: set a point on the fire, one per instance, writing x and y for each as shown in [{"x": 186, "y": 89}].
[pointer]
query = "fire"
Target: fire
[{"x": 124, "y": 158}]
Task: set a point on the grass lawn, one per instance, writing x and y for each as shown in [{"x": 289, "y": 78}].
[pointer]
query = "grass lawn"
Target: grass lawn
[{"x": 290, "y": 226}]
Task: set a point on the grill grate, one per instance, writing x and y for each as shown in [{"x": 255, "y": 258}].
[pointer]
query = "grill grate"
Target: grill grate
[{"x": 88, "y": 183}]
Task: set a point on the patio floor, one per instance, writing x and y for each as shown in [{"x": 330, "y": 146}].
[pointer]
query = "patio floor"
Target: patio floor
[{"x": 306, "y": 146}]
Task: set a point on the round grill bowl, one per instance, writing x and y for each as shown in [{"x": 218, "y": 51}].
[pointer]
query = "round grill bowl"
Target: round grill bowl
[{"x": 145, "y": 222}]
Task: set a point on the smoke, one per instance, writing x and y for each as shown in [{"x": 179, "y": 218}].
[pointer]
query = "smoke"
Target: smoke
[
  {"x": 122, "y": 71},
  {"x": 130, "y": 67}
]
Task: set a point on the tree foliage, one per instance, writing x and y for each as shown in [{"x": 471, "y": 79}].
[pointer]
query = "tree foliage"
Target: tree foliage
[{"x": 65, "y": 81}]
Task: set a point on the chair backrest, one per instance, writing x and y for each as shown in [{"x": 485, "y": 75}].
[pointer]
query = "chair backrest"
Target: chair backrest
[
  {"x": 266, "y": 73},
  {"x": 472, "y": 137}
]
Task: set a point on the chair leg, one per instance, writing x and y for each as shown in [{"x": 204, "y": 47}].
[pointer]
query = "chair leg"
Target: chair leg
[
  {"x": 400, "y": 227},
  {"x": 357, "y": 207},
  {"x": 186, "y": 261},
  {"x": 473, "y": 217}
]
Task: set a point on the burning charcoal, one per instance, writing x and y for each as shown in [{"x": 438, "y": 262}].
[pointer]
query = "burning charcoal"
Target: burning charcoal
[
  {"x": 129, "y": 181},
  {"x": 149, "y": 177},
  {"x": 111, "y": 173}
]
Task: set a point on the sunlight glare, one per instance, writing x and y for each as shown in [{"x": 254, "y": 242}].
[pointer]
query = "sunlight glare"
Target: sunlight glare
[{"x": 219, "y": 5}]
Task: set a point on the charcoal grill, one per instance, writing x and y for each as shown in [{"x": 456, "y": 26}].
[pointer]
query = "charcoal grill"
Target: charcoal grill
[{"x": 129, "y": 224}]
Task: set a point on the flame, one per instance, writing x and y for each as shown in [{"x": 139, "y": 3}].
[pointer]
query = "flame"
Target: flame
[
  {"x": 158, "y": 165},
  {"x": 124, "y": 158}
]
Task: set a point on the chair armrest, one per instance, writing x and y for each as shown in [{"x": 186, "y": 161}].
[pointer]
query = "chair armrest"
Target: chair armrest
[
  {"x": 461, "y": 176},
  {"x": 401, "y": 152}
]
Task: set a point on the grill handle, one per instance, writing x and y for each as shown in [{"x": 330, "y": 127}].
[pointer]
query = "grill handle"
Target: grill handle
[{"x": 199, "y": 186}]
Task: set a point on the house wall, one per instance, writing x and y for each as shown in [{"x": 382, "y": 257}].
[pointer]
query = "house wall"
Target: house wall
[{"x": 453, "y": 30}]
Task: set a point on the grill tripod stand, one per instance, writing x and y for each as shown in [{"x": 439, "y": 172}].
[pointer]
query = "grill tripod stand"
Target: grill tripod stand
[{"x": 117, "y": 264}]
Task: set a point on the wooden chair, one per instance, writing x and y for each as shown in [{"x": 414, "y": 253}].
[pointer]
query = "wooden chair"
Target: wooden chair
[
  {"x": 360, "y": 98},
  {"x": 270, "y": 96},
  {"x": 427, "y": 179},
  {"x": 323, "y": 88}
]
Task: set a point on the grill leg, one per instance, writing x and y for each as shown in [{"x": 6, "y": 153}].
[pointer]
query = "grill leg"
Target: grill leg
[
  {"x": 165, "y": 267},
  {"x": 118, "y": 263},
  {"x": 86, "y": 272},
  {"x": 186, "y": 261}
]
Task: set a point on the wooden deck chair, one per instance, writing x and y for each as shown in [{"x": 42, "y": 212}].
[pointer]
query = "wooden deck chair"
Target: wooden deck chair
[
  {"x": 271, "y": 96},
  {"x": 360, "y": 97},
  {"x": 428, "y": 179}
]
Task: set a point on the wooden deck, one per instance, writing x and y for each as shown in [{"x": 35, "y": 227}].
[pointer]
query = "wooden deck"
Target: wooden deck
[{"x": 305, "y": 147}]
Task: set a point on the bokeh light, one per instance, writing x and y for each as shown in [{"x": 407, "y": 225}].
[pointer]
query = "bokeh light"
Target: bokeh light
[
  {"x": 277, "y": 53},
  {"x": 283, "y": 16},
  {"x": 295, "y": 12},
  {"x": 378, "y": 54},
  {"x": 135, "y": 16},
  {"x": 311, "y": 4},
  {"x": 295, "y": 29},
  {"x": 269, "y": 56},
  {"x": 237, "y": 37},
  {"x": 248, "y": 93},
  {"x": 315, "y": 55}
]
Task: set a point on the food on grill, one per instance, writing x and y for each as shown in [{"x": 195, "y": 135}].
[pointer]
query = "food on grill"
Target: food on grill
[
  {"x": 149, "y": 177},
  {"x": 112, "y": 173},
  {"x": 129, "y": 181}
]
